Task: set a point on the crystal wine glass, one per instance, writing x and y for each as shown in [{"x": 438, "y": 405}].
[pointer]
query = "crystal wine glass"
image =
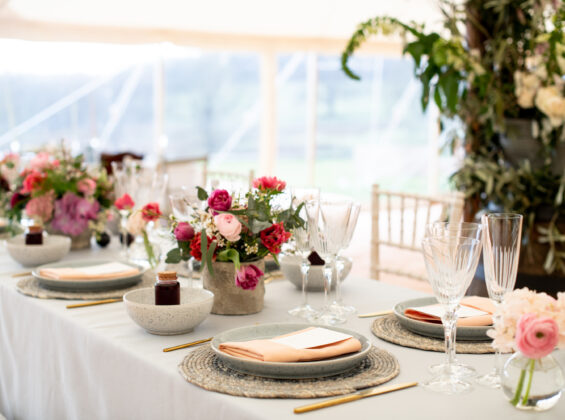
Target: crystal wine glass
[
  {"x": 124, "y": 183},
  {"x": 328, "y": 221},
  {"x": 337, "y": 305},
  {"x": 501, "y": 253},
  {"x": 451, "y": 263},
  {"x": 303, "y": 246},
  {"x": 450, "y": 230}
]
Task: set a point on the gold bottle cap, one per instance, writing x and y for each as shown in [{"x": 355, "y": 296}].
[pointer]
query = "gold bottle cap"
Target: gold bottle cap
[{"x": 167, "y": 275}]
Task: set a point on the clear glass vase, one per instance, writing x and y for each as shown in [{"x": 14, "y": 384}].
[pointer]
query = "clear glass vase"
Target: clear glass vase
[{"x": 532, "y": 384}]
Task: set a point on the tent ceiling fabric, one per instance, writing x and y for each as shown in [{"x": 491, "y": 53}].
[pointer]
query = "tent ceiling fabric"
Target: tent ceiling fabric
[{"x": 320, "y": 19}]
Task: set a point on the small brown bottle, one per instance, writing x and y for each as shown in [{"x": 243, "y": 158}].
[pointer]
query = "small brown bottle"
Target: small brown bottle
[
  {"x": 34, "y": 235},
  {"x": 167, "y": 289}
]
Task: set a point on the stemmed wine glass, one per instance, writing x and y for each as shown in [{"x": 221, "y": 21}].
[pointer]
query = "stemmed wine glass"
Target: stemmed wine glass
[
  {"x": 125, "y": 182},
  {"x": 451, "y": 263},
  {"x": 337, "y": 305},
  {"x": 449, "y": 230},
  {"x": 328, "y": 221},
  {"x": 303, "y": 246},
  {"x": 501, "y": 253}
]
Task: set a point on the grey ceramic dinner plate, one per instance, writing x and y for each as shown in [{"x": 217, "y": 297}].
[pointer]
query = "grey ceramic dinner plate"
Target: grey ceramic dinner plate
[
  {"x": 87, "y": 285},
  {"x": 296, "y": 370},
  {"x": 435, "y": 330}
]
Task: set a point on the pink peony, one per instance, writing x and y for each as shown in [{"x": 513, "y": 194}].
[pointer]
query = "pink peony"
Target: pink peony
[
  {"x": 536, "y": 337},
  {"x": 87, "y": 186},
  {"x": 40, "y": 161},
  {"x": 125, "y": 202},
  {"x": 32, "y": 182},
  {"x": 228, "y": 226},
  {"x": 151, "y": 212},
  {"x": 41, "y": 207},
  {"x": 248, "y": 277},
  {"x": 184, "y": 232},
  {"x": 219, "y": 200},
  {"x": 72, "y": 213},
  {"x": 269, "y": 183}
]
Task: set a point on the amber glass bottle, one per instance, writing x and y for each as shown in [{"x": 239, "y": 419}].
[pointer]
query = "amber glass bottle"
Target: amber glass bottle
[
  {"x": 167, "y": 289},
  {"x": 34, "y": 235}
]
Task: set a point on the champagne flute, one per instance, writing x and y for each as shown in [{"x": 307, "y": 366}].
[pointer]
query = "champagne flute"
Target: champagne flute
[
  {"x": 451, "y": 263},
  {"x": 501, "y": 254},
  {"x": 303, "y": 246},
  {"x": 328, "y": 221},
  {"x": 453, "y": 230}
]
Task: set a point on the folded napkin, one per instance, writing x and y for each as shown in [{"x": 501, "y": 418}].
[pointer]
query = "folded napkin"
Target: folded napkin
[
  {"x": 273, "y": 350},
  {"x": 469, "y": 304},
  {"x": 94, "y": 272}
]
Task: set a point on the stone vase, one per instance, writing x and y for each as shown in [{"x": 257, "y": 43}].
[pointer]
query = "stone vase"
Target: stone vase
[
  {"x": 230, "y": 299},
  {"x": 81, "y": 241}
]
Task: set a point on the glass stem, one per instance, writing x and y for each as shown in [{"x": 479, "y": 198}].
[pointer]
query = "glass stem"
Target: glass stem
[
  {"x": 497, "y": 354},
  {"x": 449, "y": 320},
  {"x": 328, "y": 268},
  {"x": 338, "y": 271},
  {"x": 123, "y": 226},
  {"x": 304, "y": 269},
  {"x": 190, "y": 270}
]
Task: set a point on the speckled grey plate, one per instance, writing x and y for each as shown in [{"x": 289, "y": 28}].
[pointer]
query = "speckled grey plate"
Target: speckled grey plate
[
  {"x": 316, "y": 369},
  {"x": 87, "y": 285},
  {"x": 435, "y": 330}
]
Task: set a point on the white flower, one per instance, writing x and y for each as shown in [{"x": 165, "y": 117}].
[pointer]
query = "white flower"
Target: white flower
[
  {"x": 551, "y": 102},
  {"x": 136, "y": 224},
  {"x": 527, "y": 86}
]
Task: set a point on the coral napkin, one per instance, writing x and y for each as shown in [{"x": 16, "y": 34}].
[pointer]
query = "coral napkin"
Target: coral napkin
[
  {"x": 474, "y": 302},
  {"x": 94, "y": 272},
  {"x": 273, "y": 351}
]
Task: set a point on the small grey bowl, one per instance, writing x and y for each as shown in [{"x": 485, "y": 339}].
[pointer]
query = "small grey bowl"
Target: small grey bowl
[
  {"x": 54, "y": 248},
  {"x": 195, "y": 306},
  {"x": 290, "y": 266}
]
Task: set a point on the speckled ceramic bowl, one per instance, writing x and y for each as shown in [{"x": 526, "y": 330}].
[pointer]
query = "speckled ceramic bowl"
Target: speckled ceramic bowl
[
  {"x": 195, "y": 306},
  {"x": 290, "y": 266},
  {"x": 54, "y": 248}
]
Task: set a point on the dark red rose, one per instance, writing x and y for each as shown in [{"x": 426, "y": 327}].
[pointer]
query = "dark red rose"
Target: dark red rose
[
  {"x": 17, "y": 198},
  {"x": 274, "y": 236}
]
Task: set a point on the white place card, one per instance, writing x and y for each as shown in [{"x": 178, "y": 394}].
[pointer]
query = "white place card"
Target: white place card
[
  {"x": 438, "y": 311},
  {"x": 312, "y": 338}
]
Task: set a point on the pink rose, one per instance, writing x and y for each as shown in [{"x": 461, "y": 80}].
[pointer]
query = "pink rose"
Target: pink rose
[
  {"x": 32, "y": 182},
  {"x": 125, "y": 202},
  {"x": 184, "y": 232},
  {"x": 228, "y": 226},
  {"x": 41, "y": 207},
  {"x": 269, "y": 183},
  {"x": 87, "y": 186},
  {"x": 40, "y": 161},
  {"x": 219, "y": 200},
  {"x": 248, "y": 277},
  {"x": 536, "y": 337}
]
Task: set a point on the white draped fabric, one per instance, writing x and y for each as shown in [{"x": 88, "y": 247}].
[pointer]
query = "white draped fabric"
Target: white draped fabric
[{"x": 95, "y": 363}]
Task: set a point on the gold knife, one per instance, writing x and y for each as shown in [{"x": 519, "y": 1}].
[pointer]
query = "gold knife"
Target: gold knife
[
  {"x": 353, "y": 397},
  {"x": 372, "y": 314},
  {"x": 183, "y": 346},
  {"x": 95, "y": 302}
]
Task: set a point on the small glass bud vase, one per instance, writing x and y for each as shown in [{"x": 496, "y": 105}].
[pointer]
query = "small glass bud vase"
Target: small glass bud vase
[{"x": 532, "y": 384}]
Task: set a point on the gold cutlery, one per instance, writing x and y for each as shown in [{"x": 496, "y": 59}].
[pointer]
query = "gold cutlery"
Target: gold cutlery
[
  {"x": 353, "y": 397},
  {"x": 24, "y": 274},
  {"x": 372, "y": 314},
  {"x": 192, "y": 343},
  {"x": 96, "y": 302}
]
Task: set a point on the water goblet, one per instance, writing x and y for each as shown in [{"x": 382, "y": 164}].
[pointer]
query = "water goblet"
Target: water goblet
[
  {"x": 447, "y": 230},
  {"x": 301, "y": 236},
  {"x": 501, "y": 254},
  {"x": 451, "y": 263},
  {"x": 328, "y": 221}
]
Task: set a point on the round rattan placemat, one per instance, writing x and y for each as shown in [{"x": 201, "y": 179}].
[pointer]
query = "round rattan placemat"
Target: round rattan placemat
[
  {"x": 389, "y": 329},
  {"x": 30, "y": 286},
  {"x": 201, "y": 367}
]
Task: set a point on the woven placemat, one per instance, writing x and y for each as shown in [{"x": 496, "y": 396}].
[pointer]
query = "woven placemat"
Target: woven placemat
[
  {"x": 203, "y": 368},
  {"x": 389, "y": 329},
  {"x": 30, "y": 286}
]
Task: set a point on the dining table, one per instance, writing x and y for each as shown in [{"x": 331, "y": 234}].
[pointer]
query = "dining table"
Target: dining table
[{"x": 96, "y": 363}]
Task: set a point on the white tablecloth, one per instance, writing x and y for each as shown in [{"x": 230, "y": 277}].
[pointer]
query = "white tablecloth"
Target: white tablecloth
[{"x": 95, "y": 363}]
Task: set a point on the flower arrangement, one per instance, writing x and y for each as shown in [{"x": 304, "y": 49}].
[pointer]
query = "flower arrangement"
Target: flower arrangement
[
  {"x": 58, "y": 190},
  {"x": 236, "y": 229},
  {"x": 534, "y": 324},
  {"x": 492, "y": 65}
]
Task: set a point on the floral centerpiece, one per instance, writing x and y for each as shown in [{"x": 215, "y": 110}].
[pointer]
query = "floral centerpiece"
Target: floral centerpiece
[
  {"x": 240, "y": 231},
  {"x": 59, "y": 193},
  {"x": 533, "y": 325}
]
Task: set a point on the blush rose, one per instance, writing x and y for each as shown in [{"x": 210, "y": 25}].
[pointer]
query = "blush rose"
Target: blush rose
[
  {"x": 536, "y": 337},
  {"x": 228, "y": 226}
]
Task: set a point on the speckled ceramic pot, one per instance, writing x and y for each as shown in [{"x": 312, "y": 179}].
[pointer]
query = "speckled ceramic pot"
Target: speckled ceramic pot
[
  {"x": 81, "y": 241},
  {"x": 195, "y": 305},
  {"x": 230, "y": 299},
  {"x": 53, "y": 249}
]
